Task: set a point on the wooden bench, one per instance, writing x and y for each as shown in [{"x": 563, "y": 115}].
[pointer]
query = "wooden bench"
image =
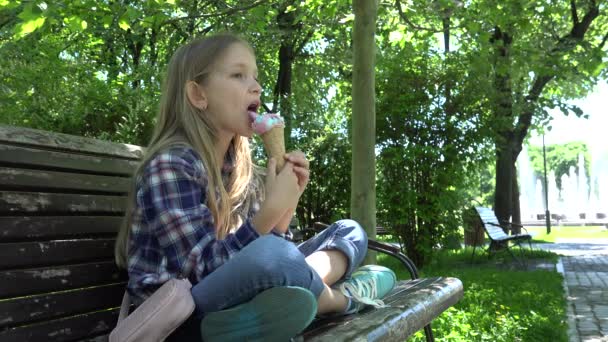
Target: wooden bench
[
  {"x": 499, "y": 240},
  {"x": 62, "y": 198}
]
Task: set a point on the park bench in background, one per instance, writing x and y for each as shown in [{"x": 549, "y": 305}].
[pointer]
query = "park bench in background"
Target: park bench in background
[
  {"x": 499, "y": 240},
  {"x": 62, "y": 198}
]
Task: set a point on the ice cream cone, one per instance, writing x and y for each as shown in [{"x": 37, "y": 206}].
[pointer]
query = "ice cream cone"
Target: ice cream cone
[{"x": 274, "y": 144}]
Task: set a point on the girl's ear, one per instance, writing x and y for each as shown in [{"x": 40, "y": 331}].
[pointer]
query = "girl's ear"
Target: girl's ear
[{"x": 196, "y": 95}]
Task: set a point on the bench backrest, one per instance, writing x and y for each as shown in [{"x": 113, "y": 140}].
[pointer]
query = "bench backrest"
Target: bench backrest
[
  {"x": 62, "y": 199},
  {"x": 490, "y": 221}
]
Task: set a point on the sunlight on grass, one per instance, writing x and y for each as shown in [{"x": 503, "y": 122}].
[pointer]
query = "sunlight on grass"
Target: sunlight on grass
[
  {"x": 498, "y": 304},
  {"x": 568, "y": 232}
]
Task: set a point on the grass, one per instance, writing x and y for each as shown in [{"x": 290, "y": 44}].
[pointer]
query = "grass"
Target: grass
[
  {"x": 567, "y": 232},
  {"x": 499, "y": 304}
]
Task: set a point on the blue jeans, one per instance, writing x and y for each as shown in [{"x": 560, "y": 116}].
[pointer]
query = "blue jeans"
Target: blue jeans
[{"x": 271, "y": 261}]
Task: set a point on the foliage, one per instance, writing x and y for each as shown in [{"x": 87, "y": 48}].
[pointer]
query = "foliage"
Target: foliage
[
  {"x": 95, "y": 68},
  {"x": 426, "y": 145},
  {"x": 498, "y": 304}
]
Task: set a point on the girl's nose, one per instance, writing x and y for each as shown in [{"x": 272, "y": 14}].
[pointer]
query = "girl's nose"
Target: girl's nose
[{"x": 256, "y": 87}]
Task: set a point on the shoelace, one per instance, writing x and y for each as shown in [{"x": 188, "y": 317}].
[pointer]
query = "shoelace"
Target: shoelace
[{"x": 358, "y": 289}]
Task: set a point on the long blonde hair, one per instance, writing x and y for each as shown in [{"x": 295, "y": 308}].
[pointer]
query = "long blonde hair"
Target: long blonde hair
[{"x": 181, "y": 123}]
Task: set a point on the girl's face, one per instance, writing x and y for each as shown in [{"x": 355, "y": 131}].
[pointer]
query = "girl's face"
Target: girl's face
[{"x": 232, "y": 90}]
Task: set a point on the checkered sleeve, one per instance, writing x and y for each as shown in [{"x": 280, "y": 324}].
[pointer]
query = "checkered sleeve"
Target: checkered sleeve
[{"x": 172, "y": 196}]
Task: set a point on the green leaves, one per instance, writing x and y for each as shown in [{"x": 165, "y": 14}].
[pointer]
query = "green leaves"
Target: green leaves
[{"x": 32, "y": 18}]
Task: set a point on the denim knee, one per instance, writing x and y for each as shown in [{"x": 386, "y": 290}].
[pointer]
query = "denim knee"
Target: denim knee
[
  {"x": 271, "y": 257},
  {"x": 356, "y": 233},
  {"x": 346, "y": 236},
  {"x": 352, "y": 231},
  {"x": 269, "y": 261},
  {"x": 272, "y": 261}
]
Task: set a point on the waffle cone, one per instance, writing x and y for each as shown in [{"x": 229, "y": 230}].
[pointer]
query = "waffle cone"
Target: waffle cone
[{"x": 274, "y": 144}]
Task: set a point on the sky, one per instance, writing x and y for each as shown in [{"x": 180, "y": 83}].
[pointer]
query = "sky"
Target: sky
[{"x": 569, "y": 128}]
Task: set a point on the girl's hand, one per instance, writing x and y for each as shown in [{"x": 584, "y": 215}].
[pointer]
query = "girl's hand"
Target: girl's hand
[
  {"x": 282, "y": 188},
  {"x": 282, "y": 194},
  {"x": 300, "y": 167}
]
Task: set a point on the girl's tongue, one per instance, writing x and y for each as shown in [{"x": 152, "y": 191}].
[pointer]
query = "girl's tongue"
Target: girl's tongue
[{"x": 252, "y": 115}]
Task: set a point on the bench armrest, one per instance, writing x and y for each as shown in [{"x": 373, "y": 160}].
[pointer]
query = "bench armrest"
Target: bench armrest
[
  {"x": 395, "y": 252},
  {"x": 516, "y": 225}
]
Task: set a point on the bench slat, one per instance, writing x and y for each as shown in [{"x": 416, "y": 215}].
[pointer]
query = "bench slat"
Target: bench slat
[
  {"x": 51, "y": 227},
  {"x": 31, "y": 180},
  {"x": 413, "y": 304},
  {"x": 15, "y": 312},
  {"x": 42, "y": 159},
  {"x": 46, "y": 253},
  {"x": 34, "y": 137},
  {"x": 20, "y": 202},
  {"x": 65, "y": 329},
  {"x": 32, "y": 281}
]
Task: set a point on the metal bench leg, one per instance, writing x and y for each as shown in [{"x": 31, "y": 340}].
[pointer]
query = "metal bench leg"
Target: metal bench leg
[
  {"x": 429, "y": 333},
  {"x": 521, "y": 262}
]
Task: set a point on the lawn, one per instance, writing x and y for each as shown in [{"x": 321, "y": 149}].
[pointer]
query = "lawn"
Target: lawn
[
  {"x": 499, "y": 303},
  {"x": 567, "y": 232}
]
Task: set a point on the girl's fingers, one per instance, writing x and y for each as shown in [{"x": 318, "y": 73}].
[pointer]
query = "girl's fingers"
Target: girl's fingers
[
  {"x": 298, "y": 158},
  {"x": 301, "y": 171},
  {"x": 271, "y": 171},
  {"x": 303, "y": 175}
]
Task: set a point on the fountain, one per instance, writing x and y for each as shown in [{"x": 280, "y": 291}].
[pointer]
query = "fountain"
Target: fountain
[
  {"x": 599, "y": 180},
  {"x": 579, "y": 199}
]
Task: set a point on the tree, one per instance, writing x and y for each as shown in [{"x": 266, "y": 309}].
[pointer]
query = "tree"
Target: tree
[
  {"x": 363, "y": 174},
  {"x": 525, "y": 77}
]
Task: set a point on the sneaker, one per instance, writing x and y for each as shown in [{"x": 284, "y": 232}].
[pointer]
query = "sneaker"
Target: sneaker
[
  {"x": 276, "y": 314},
  {"x": 367, "y": 286}
]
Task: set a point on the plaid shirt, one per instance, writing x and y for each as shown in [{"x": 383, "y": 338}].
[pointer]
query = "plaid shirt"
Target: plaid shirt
[{"x": 172, "y": 231}]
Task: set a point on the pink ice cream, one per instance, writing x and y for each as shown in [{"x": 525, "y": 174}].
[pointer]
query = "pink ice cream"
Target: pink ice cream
[
  {"x": 265, "y": 122},
  {"x": 270, "y": 127}
]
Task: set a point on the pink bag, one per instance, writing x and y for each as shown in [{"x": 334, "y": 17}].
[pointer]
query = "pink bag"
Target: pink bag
[{"x": 158, "y": 316}]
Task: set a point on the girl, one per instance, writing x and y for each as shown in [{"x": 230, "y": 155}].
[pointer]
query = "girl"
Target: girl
[{"x": 200, "y": 209}]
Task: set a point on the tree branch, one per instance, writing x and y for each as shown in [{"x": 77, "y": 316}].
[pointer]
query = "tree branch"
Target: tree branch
[
  {"x": 218, "y": 14},
  {"x": 601, "y": 46},
  {"x": 564, "y": 44},
  {"x": 411, "y": 24},
  {"x": 574, "y": 14}
]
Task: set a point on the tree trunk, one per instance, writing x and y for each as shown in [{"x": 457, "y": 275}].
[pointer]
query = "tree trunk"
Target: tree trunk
[
  {"x": 503, "y": 111},
  {"x": 363, "y": 170},
  {"x": 503, "y": 198},
  {"x": 282, "y": 89},
  {"x": 515, "y": 203}
]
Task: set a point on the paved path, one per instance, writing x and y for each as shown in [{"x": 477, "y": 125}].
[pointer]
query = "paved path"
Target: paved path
[{"x": 584, "y": 264}]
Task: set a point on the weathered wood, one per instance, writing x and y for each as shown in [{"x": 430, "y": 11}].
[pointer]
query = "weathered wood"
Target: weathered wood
[
  {"x": 17, "y": 228},
  {"x": 31, "y": 180},
  {"x": 65, "y": 329},
  {"x": 15, "y": 312},
  {"x": 43, "y": 159},
  {"x": 47, "y": 253},
  {"x": 412, "y": 305},
  {"x": 15, "y": 202},
  {"x": 59, "y": 141},
  {"x": 46, "y": 279}
]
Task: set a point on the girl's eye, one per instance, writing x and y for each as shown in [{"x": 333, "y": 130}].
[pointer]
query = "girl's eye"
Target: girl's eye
[{"x": 238, "y": 75}]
